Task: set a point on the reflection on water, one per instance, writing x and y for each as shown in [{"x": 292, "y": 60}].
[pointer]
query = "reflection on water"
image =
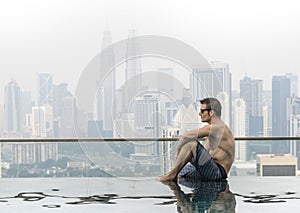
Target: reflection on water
[
  {"x": 204, "y": 196},
  {"x": 108, "y": 194}
]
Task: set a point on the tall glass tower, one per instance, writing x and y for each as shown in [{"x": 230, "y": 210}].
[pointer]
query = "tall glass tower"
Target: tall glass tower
[
  {"x": 12, "y": 109},
  {"x": 133, "y": 70},
  {"x": 45, "y": 89},
  {"x": 280, "y": 93},
  {"x": 107, "y": 83},
  {"x": 251, "y": 91}
]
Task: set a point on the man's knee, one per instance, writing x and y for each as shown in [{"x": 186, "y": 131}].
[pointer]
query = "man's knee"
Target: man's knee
[{"x": 191, "y": 146}]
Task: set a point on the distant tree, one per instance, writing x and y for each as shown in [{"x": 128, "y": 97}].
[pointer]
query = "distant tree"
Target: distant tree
[
  {"x": 47, "y": 164},
  {"x": 62, "y": 162}
]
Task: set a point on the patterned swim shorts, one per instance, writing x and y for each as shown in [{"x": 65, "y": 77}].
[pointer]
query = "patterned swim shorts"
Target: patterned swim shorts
[{"x": 203, "y": 167}]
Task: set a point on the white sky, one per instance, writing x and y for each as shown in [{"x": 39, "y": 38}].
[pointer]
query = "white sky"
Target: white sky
[{"x": 257, "y": 37}]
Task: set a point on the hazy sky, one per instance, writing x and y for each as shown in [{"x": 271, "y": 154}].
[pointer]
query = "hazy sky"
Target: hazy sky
[{"x": 260, "y": 38}]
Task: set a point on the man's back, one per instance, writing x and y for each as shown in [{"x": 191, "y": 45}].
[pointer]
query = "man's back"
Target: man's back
[{"x": 223, "y": 154}]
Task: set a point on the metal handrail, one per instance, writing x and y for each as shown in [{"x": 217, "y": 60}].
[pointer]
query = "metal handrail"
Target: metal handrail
[{"x": 63, "y": 140}]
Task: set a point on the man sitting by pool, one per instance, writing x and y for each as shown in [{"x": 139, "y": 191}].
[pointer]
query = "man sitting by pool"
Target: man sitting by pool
[{"x": 211, "y": 162}]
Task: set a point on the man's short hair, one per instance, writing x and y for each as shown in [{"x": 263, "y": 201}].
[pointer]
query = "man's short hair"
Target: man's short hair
[{"x": 212, "y": 103}]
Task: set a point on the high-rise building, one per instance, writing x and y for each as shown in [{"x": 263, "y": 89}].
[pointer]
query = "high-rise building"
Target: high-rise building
[
  {"x": 59, "y": 92},
  {"x": 168, "y": 148},
  {"x": 124, "y": 126},
  {"x": 147, "y": 123},
  {"x": 239, "y": 128},
  {"x": 12, "y": 127},
  {"x": 211, "y": 83},
  {"x": 12, "y": 110},
  {"x": 42, "y": 121},
  {"x": 133, "y": 69},
  {"x": 24, "y": 153},
  {"x": 293, "y": 111},
  {"x": 251, "y": 92},
  {"x": 225, "y": 103},
  {"x": 280, "y": 93},
  {"x": 45, "y": 89},
  {"x": 46, "y": 151},
  {"x": 38, "y": 121},
  {"x": 146, "y": 109},
  {"x": 67, "y": 126},
  {"x": 1, "y": 119},
  {"x": 106, "y": 84},
  {"x": 293, "y": 84},
  {"x": 26, "y": 105},
  {"x": 266, "y": 124},
  {"x": 202, "y": 83},
  {"x": 267, "y": 112},
  {"x": 130, "y": 89}
]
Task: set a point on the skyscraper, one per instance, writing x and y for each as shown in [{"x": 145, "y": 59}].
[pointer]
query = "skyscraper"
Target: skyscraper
[
  {"x": 293, "y": 112},
  {"x": 211, "y": 83},
  {"x": 267, "y": 112},
  {"x": 12, "y": 110},
  {"x": 106, "y": 84},
  {"x": 59, "y": 92},
  {"x": 239, "y": 128},
  {"x": 293, "y": 84},
  {"x": 26, "y": 105},
  {"x": 67, "y": 121},
  {"x": 147, "y": 125},
  {"x": 129, "y": 91},
  {"x": 133, "y": 70},
  {"x": 45, "y": 89},
  {"x": 251, "y": 92},
  {"x": 38, "y": 120},
  {"x": 280, "y": 93}
]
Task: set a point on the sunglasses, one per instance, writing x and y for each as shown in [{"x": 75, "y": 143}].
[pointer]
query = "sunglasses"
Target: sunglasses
[{"x": 203, "y": 110}]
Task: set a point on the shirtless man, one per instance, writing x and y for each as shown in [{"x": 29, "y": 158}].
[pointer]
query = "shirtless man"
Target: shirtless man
[{"x": 212, "y": 161}]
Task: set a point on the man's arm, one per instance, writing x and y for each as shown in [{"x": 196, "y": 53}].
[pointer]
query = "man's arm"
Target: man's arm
[{"x": 193, "y": 135}]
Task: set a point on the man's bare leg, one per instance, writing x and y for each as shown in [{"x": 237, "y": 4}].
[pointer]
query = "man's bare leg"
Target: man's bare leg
[{"x": 185, "y": 155}]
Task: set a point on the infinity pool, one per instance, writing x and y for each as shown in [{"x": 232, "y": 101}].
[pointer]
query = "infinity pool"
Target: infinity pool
[{"x": 239, "y": 194}]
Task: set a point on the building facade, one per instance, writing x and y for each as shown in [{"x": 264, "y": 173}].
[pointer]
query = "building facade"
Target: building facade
[
  {"x": 12, "y": 110},
  {"x": 276, "y": 165},
  {"x": 213, "y": 82},
  {"x": 45, "y": 89},
  {"x": 251, "y": 92}
]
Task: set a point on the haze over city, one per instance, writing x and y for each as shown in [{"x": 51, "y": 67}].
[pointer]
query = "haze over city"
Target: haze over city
[
  {"x": 257, "y": 38},
  {"x": 96, "y": 96}
]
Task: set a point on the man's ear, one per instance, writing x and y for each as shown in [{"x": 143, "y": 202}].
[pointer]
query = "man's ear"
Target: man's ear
[{"x": 211, "y": 112}]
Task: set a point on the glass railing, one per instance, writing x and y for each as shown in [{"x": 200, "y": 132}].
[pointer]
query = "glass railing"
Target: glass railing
[{"x": 124, "y": 157}]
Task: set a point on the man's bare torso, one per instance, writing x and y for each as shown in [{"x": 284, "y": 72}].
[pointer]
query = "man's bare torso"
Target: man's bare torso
[{"x": 221, "y": 146}]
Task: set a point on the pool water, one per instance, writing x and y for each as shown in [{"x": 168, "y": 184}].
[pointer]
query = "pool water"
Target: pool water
[{"x": 238, "y": 194}]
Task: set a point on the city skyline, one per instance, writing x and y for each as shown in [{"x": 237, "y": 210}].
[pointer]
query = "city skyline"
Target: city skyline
[
  {"x": 61, "y": 100},
  {"x": 35, "y": 95}
]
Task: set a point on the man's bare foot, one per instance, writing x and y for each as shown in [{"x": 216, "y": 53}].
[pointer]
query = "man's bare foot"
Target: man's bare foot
[{"x": 166, "y": 178}]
